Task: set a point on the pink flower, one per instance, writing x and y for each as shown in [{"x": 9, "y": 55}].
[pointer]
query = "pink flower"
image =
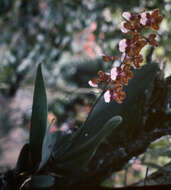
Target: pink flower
[
  {"x": 107, "y": 96},
  {"x": 126, "y": 15},
  {"x": 122, "y": 45},
  {"x": 114, "y": 73},
  {"x": 143, "y": 19},
  {"x": 123, "y": 29},
  {"x": 92, "y": 84}
]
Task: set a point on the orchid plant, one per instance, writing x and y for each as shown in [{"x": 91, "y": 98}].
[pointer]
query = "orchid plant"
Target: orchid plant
[{"x": 53, "y": 157}]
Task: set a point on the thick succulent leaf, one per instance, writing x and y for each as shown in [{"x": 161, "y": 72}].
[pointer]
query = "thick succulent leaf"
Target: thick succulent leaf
[
  {"x": 49, "y": 142},
  {"x": 38, "y": 182},
  {"x": 80, "y": 155},
  {"x": 23, "y": 162},
  {"x": 38, "y": 118},
  {"x": 102, "y": 112}
]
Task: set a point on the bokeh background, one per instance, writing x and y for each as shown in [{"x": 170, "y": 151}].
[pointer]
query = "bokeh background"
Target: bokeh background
[{"x": 68, "y": 37}]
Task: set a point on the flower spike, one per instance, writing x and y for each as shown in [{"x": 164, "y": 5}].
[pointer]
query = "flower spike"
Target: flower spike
[{"x": 130, "y": 49}]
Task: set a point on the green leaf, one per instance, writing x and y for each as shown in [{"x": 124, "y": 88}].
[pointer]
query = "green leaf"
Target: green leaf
[
  {"x": 49, "y": 142},
  {"x": 80, "y": 155},
  {"x": 38, "y": 118},
  {"x": 23, "y": 162},
  {"x": 38, "y": 182}
]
